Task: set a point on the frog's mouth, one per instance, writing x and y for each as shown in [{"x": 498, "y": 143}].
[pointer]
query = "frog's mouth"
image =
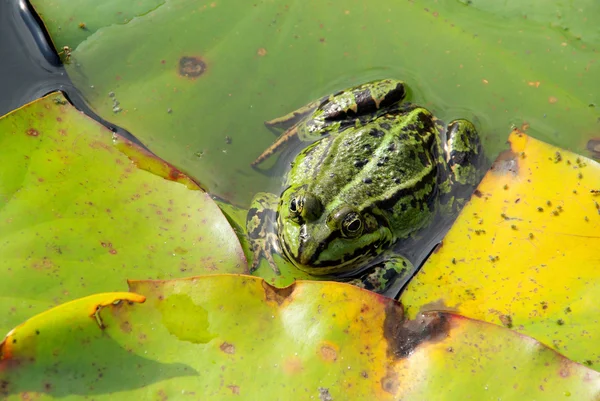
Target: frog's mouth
[{"x": 339, "y": 255}]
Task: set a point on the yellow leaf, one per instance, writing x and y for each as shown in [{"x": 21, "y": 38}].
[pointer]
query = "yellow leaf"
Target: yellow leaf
[{"x": 525, "y": 251}]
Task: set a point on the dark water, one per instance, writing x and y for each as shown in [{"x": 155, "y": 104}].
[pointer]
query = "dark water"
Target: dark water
[{"x": 30, "y": 67}]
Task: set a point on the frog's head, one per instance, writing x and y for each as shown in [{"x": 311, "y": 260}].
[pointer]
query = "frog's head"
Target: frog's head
[{"x": 322, "y": 240}]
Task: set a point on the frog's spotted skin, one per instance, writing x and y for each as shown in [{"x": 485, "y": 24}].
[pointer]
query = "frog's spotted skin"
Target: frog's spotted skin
[
  {"x": 336, "y": 112},
  {"x": 376, "y": 173}
]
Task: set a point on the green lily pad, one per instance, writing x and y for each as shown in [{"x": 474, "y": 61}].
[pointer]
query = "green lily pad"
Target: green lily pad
[
  {"x": 194, "y": 81},
  {"x": 82, "y": 209},
  {"x": 524, "y": 251},
  {"x": 218, "y": 337}
]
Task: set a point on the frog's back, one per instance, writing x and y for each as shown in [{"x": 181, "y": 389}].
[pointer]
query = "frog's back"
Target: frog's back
[{"x": 389, "y": 164}]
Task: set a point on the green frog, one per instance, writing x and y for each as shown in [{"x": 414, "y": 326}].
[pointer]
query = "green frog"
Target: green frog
[{"x": 376, "y": 171}]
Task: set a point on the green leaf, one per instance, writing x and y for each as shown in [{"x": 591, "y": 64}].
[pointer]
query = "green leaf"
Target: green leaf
[
  {"x": 82, "y": 210},
  {"x": 524, "y": 251},
  {"x": 260, "y": 60},
  {"x": 235, "y": 336}
]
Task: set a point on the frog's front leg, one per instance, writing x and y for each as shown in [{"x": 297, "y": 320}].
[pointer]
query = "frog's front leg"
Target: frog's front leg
[
  {"x": 464, "y": 153},
  {"x": 261, "y": 226},
  {"x": 334, "y": 112},
  {"x": 380, "y": 276}
]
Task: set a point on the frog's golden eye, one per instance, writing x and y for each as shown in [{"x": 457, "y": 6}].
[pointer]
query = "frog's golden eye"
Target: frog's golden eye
[{"x": 352, "y": 225}]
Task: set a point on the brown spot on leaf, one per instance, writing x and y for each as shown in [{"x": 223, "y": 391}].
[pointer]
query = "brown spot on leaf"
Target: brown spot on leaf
[
  {"x": 4, "y": 387},
  {"x": 438, "y": 247},
  {"x": 403, "y": 336},
  {"x": 234, "y": 389},
  {"x": 227, "y": 348},
  {"x": 279, "y": 295},
  {"x": 328, "y": 353},
  {"x": 477, "y": 193},
  {"x": 191, "y": 67},
  {"x": 293, "y": 365},
  {"x": 564, "y": 372},
  {"x": 162, "y": 395},
  {"x": 390, "y": 383},
  {"x": 33, "y": 132},
  {"x": 42, "y": 264},
  {"x": 507, "y": 162},
  {"x": 261, "y": 52},
  {"x": 125, "y": 326},
  {"x": 506, "y": 320},
  {"x": 174, "y": 174}
]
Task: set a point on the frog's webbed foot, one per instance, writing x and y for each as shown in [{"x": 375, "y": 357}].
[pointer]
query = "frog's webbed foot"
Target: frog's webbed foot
[
  {"x": 261, "y": 229},
  {"x": 265, "y": 248},
  {"x": 380, "y": 276},
  {"x": 464, "y": 153}
]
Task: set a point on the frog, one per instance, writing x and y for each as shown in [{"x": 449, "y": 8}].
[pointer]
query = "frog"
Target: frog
[{"x": 374, "y": 171}]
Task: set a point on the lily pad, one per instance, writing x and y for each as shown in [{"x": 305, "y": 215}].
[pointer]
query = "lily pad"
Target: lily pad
[
  {"x": 82, "y": 209},
  {"x": 194, "y": 81},
  {"x": 524, "y": 251},
  {"x": 236, "y": 336}
]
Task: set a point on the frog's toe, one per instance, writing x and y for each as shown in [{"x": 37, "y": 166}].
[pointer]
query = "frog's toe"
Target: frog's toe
[
  {"x": 464, "y": 152},
  {"x": 269, "y": 257}
]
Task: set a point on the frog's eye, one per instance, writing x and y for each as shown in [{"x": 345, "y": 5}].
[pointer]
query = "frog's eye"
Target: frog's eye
[{"x": 352, "y": 225}]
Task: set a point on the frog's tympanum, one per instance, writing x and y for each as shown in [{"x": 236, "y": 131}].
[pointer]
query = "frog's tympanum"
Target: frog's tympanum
[{"x": 377, "y": 171}]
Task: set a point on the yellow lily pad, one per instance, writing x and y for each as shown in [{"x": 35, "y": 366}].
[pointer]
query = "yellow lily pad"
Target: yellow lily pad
[{"x": 524, "y": 252}]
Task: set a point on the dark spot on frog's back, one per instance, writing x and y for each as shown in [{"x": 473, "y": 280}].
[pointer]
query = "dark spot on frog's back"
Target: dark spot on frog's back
[
  {"x": 376, "y": 133},
  {"x": 191, "y": 67},
  {"x": 360, "y": 163},
  {"x": 394, "y": 96},
  {"x": 383, "y": 161},
  {"x": 404, "y": 336},
  {"x": 365, "y": 102}
]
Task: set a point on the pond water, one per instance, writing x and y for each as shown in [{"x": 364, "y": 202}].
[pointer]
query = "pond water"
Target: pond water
[{"x": 31, "y": 68}]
